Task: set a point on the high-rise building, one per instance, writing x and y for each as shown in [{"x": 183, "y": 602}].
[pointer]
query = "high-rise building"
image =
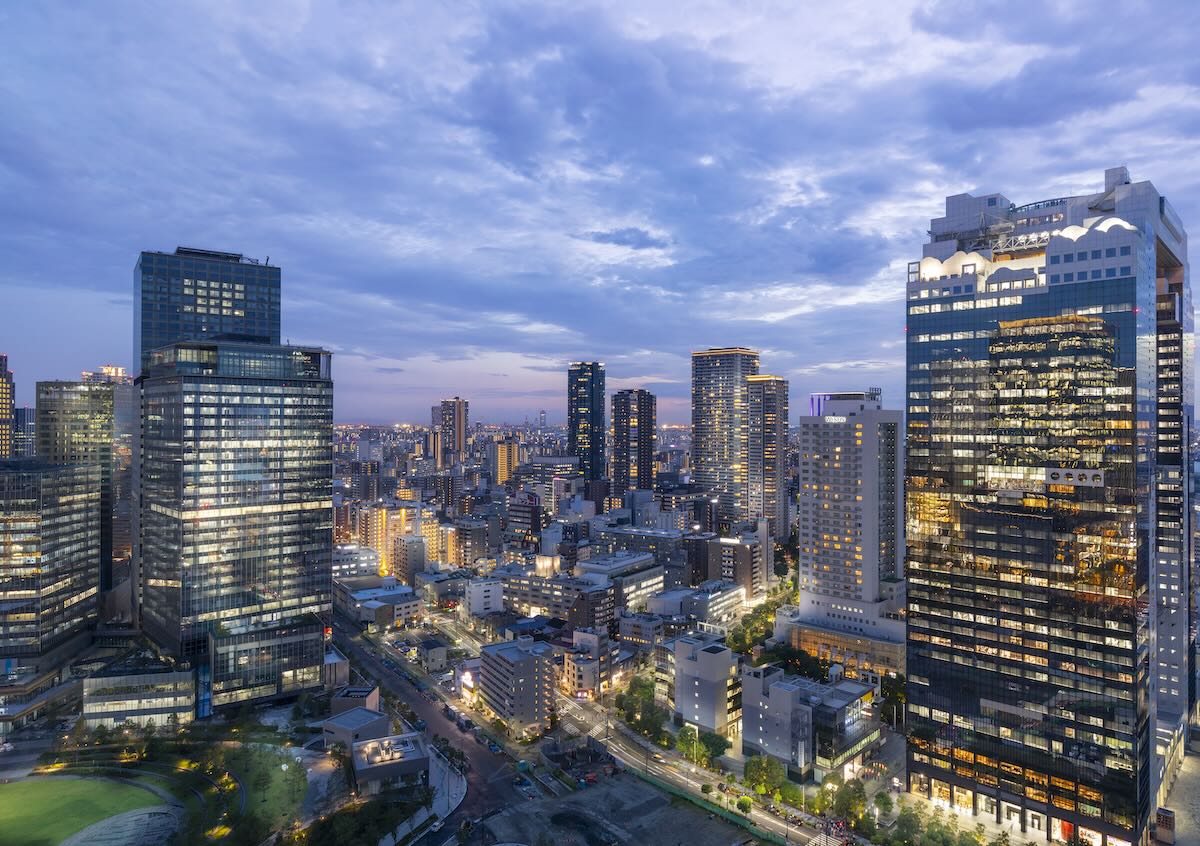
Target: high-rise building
[
  {"x": 634, "y": 421},
  {"x": 8, "y": 407},
  {"x": 1043, "y": 570},
  {"x": 454, "y": 416},
  {"x": 585, "y": 416},
  {"x": 75, "y": 426},
  {"x": 542, "y": 419},
  {"x": 851, "y": 535},
  {"x": 193, "y": 295},
  {"x": 767, "y": 452},
  {"x": 720, "y": 425},
  {"x": 505, "y": 458},
  {"x": 24, "y": 432},
  {"x": 235, "y": 517},
  {"x": 49, "y": 579}
]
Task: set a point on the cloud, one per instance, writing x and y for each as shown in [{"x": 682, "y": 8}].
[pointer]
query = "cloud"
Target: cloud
[
  {"x": 502, "y": 188},
  {"x": 631, "y": 236}
]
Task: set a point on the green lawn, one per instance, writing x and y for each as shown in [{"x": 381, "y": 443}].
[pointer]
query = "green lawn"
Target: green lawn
[{"x": 44, "y": 812}]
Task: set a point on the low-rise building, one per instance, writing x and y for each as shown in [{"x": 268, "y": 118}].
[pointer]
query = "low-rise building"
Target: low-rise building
[
  {"x": 383, "y": 763},
  {"x": 634, "y": 575},
  {"x": 352, "y": 559},
  {"x": 814, "y": 728},
  {"x": 141, "y": 688},
  {"x": 583, "y": 602},
  {"x": 432, "y": 654},
  {"x": 335, "y": 671},
  {"x": 354, "y": 696},
  {"x": 640, "y": 632},
  {"x": 483, "y": 596},
  {"x": 697, "y": 678},
  {"x": 349, "y": 727},
  {"x": 587, "y": 664},
  {"x": 516, "y": 683},
  {"x": 876, "y": 649},
  {"x": 714, "y": 602},
  {"x": 378, "y": 602}
]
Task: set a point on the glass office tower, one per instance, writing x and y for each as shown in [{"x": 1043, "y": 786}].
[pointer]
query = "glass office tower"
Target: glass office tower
[
  {"x": 720, "y": 425},
  {"x": 235, "y": 519},
  {"x": 1036, "y": 569},
  {"x": 585, "y": 417},
  {"x": 74, "y": 425},
  {"x": 49, "y": 571},
  {"x": 201, "y": 294},
  {"x": 634, "y": 413}
]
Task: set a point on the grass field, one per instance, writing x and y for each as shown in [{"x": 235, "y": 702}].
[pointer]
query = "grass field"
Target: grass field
[{"x": 44, "y": 812}]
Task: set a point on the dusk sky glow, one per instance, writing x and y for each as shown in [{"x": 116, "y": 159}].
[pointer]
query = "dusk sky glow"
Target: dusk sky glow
[{"x": 466, "y": 197}]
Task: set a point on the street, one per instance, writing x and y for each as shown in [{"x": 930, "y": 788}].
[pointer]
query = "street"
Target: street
[{"x": 490, "y": 776}]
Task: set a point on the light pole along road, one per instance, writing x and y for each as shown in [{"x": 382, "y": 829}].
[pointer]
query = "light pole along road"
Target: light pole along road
[{"x": 589, "y": 714}]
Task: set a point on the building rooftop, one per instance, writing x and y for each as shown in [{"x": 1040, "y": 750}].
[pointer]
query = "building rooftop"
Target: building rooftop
[
  {"x": 384, "y": 751},
  {"x": 355, "y": 718},
  {"x": 136, "y": 662},
  {"x": 352, "y": 692}
]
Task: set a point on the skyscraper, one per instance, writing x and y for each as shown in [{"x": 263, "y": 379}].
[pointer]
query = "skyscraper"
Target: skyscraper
[
  {"x": 233, "y": 530},
  {"x": 201, "y": 295},
  {"x": 49, "y": 571},
  {"x": 505, "y": 458},
  {"x": 585, "y": 416},
  {"x": 634, "y": 421},
  {"x": 235, "y": 515},
  {"x": 1045, "y": 577},
  {"x": 8, "y": 408},
  {"x": 767, "y": 452},
  {"x": 24, "y": 432},
  {"x": 720, "y": 425},
  {"x": 75, "y": 426},
  {"x": 454, "y": 429},
  {"x": 851, "y": 534}
]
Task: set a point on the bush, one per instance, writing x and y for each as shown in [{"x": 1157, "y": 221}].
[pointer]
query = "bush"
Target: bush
[
  {"x": 706, "y": 788},
  {"x": 744, "y": 804}
]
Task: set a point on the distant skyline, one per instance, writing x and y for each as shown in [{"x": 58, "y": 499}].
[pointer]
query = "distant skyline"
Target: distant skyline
[{"x": 465, "y": 199}]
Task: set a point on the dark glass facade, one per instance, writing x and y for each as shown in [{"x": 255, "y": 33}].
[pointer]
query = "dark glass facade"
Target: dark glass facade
[
  {"x": 235, "y": 520},
  {"x": 585, "y": 417},
  {"x": 49, "y": 563},
  {"x": 634, "y": 416},
  {"x": 201, "y": 295},
  {"x": 74, "y": 425},
  {"x": 1035, "y": 397}
]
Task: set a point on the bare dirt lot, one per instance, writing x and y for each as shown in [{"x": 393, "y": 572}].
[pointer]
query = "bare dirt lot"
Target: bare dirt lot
[{"x": 620, "y": 810}]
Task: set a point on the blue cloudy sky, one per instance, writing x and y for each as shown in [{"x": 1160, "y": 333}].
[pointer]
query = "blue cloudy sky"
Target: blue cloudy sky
[{"x": 465, "y": 197}]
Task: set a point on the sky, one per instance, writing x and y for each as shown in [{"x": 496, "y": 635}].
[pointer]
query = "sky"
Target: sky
[{"x": 464, "y": 197}]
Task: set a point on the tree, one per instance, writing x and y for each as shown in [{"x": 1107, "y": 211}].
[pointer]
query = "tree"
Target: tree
[
  {"x": 706, "y": 788},
  {"x": 744, "y": 804},
  {"x": 909, "y": 826},
  {"x": 715, "y": 745},
  {"x": 262, "y": 780},
  {"x": 763, "y": 773},
  {"x": 850, "y": 800},
  {"x": 688, "y": 743},
  {"x": 883, "y": 802},
  {"x": 1001, "y": 839}
]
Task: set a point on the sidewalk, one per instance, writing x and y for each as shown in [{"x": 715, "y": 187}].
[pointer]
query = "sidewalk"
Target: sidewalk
[{"x": 449, "y": 790}]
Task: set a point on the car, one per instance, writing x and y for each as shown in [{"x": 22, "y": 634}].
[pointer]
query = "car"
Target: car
[
  {"x": 437, "y": 826},
  {"x": 659, "y": 758},
  {"x": 494, "y": 749}
]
